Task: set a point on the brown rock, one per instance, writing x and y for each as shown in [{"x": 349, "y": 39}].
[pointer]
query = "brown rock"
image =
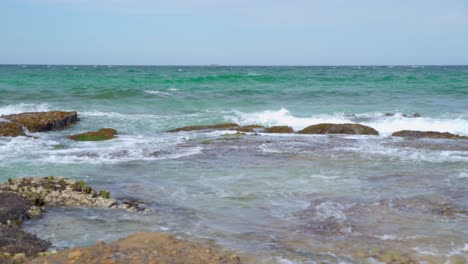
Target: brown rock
[
  {"x": 279, "y": 129},
  {"x": 100, "y": 135},
  {"x": 209, "y": 127},
  {"x": 426, "y": 134},
  {"x": 8, "y": 129},
  {"x": 352, "y": 129},
  {"x": 143, "y": 248},
  {"x": 227, "y": 126},
  {"x": 249, "y": 128},
  {"x": 43, "y": 121}
]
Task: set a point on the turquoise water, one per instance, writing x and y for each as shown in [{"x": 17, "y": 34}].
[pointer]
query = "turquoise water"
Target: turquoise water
[{"x": 274, "y": 198}]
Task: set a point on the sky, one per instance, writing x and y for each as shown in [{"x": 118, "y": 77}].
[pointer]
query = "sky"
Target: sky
[{"x": 234, "y": 32}]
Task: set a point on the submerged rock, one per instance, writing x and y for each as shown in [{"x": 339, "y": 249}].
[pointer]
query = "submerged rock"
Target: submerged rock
[
  {"x": 404, "y": 115},
  {"x": 59, "y": 191},
  {"x": 143, "y": 248},
  {"x": 9, "y": 129},
  {"x": 426, "y": 134},
  {"x": 279, "y": 129},
  {"x": 100, "y": 135},
  {"x": 17, "y": 243},
  {"x": 352, "y": 129},
  {"x": 43, "y": 121}
]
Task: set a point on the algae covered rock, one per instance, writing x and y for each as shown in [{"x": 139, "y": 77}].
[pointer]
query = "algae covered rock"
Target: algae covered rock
[
  {"x": 143, "y": 248},
  {"x": 279, "y": 129},
  {"x": 100, "y": 135},
  {"x": 426, "y": 134},
  {"x": 9, "y": 129},
  {"x": 59, "y": 191},
  {"x": 43, "y": 121},
  {"x": 351, "y": 129}
]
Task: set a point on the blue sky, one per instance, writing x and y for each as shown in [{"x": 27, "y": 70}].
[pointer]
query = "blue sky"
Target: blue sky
[{"x": 234, "y": 32}]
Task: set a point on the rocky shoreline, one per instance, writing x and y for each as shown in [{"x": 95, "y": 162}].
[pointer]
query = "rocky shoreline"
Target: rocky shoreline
[{"x": 25, "y": 198}]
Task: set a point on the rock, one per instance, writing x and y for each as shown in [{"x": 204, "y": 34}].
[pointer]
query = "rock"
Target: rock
[
  {"x": 417, "y": 115},
  {"x": 228, "y": 126},
  {"x": 249, "y": 128},
  {"x": 59, "y": 191},
  {"x": 426, "y": 134},
  {"x": 352, "y": 129},
  {"x": 19, "y": 257},
  {"x": 457, "y": 259},
  {"x": 279, "y": 129},
  {"x": 208, "y": 127},
  {"x": 143, "y": 248},
  {"x": 100, "y": 135},
  {"x": 74, "y": 254},
  {"x": 9, "y": 129},
  {"x": 43, "y": 121},
  {"x": 14, "y": 240},
  {"x": 13, "y": 208}
]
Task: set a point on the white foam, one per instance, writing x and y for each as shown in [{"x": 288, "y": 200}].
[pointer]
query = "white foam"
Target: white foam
[
  {"x": 462, "y": 175},
  {"x": 284, "y": 117},
  {"x": 388, "y": 125},
  {"x": 384, "y": 124},
  {"x": 157, "y": 92},
  {"x": 21, "y": 108},
  {"x": 122, "y": 149},
  {"x": 333, "y": 210},
  {"x": 253, "y": 74},
  {"x": 410, "y": 154}
]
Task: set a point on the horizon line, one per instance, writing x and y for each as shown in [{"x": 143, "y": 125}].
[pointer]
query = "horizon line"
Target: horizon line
[{"x": 234, "y": 65}]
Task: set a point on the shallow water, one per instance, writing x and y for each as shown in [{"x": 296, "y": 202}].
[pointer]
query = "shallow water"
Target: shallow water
[{"x": 275, "y": 198}]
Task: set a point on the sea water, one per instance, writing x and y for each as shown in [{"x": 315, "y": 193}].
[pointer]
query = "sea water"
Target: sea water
[{"x": 274, "y": 198}]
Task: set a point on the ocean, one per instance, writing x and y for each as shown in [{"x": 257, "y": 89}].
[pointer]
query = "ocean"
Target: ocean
[{"x": 274, "y": 198}]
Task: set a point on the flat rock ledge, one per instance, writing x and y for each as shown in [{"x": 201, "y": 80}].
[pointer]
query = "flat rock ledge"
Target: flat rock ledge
[
  {"x": 142, "y": 248},
  {"x": 59, "y": 191},
  {"x": 426, "y": 134},
  {"x": 39, "y": 121}
]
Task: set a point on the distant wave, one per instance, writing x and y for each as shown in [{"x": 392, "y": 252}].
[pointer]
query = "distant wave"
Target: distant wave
[
  {"x": 157, "y": 92},
  {"x": 21, "y": 108},
  {"x": 382, "y": 123}
]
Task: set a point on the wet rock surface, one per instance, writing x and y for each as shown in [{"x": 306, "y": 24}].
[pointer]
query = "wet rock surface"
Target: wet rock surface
[
  {"x": 13, "y": 208},
  {"x": 100, "y": 135},
  {"x": 279, "y": 129},
  {"x": 426, "y": 134},
  {"x": 43, "y": 121},
  {"x": 15, "y": 241},
  {"x": 142, "y": 248},
  {"x": 9, "y": 129},
  {"x": 352, "y": 129}
]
